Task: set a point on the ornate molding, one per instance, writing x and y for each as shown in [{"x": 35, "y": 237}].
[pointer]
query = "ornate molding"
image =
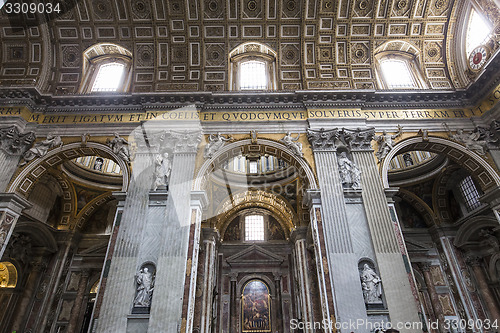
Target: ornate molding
[
  {"x": 323, "y": 140},
  {"x": 13, "y": 142}
]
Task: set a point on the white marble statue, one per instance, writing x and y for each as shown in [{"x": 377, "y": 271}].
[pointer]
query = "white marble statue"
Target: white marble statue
[
  {"x": 41, "y": 149},
  {"x": 349, "y": 172},
  {"x": 215, "y": 142},
  {"x": 469, "y": 139},
  {"x": 163, "y": 167},
  {"x": 371, "y": 283},
  {"x": 386, "y": 143},
  {"x": 120, "y": 147},
  {"x": 144, "y": 281},
  {"x": 293, "y": 143}
]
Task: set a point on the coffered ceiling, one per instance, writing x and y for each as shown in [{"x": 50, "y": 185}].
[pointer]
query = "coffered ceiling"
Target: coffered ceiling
[{"x": 183, "y": 45}]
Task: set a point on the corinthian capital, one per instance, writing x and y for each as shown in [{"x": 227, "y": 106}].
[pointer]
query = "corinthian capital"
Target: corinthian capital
[
  {"x": 14, "y": 143},
  {"x": 322, "y": 139},
  {"x": 186, "y": 142},
  {"x": 357, "y": 139}
]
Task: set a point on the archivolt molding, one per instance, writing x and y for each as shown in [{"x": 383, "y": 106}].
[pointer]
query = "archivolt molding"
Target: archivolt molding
[
  {"x": 419, "y": 205},
  {"x": 262, "y": 145},
  {"x": 90, "y": 208},
  {"x": 479, "y": 169},
  {"x": 472, "y": 227},
  {"x": 278, "y": 206},
  {"x": 27, "y": 177}
]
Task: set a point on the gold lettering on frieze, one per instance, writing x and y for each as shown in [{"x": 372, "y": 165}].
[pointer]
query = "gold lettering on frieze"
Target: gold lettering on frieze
[{"x": 245, "y": 116}]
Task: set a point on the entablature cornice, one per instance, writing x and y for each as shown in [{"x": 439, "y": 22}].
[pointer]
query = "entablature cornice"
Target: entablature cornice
[{"x": 479, "y": 91}]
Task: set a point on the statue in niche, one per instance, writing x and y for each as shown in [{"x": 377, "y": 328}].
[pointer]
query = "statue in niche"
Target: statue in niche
[
  {"x": 41, "y": 149},
  {"x": 120, "y": 147},
  {"x": 215, "y": 143},
  {"x": 386, "y": 143},
  {"x": 145, "y": 286},
  {"x": 371, "y": 284},
  {"x": 471, "y": 140},
  {"x": 350, "y": 174},
  {"x": 98, "y": 164},
  {"x": 163, "y": 167},
  {"x": 293, "y": 143}
]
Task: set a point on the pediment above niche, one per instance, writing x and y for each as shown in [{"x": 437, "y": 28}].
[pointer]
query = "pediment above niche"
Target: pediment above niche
[{"x": 255, "y": 255}]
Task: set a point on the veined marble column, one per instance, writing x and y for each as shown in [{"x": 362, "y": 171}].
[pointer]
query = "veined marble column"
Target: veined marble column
[
  {"x": 198, "y": 202},
  {"x": 436, "y": 304},
  {"x": 396, "y": 282},
  {"x": 298, "y": 237},
  {"x": 343, "y": 262},
  {"x": 77, "y": 305},
  {"x": 210, "y": 239},
  {"x": 485, "y": 290}
]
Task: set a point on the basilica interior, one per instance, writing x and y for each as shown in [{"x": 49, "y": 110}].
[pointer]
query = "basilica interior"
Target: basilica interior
[{"x": 250, "y": 166}]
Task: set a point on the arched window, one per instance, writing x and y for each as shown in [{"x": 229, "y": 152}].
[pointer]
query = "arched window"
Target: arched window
[
  {"x": 398, "y": 70},
  {"x": 107, "y": 68},
  {"x": 252, "y": 67},
  {"x": 469, "y": 193},
  {"x": 478, "y": 32},
  {"x": 254, "y": 228}
]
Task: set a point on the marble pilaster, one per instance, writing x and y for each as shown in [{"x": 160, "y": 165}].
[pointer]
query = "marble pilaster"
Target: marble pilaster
[
  {"x": 396, "y": 279},
  {"x": 178, "y": 226},
  {"x": 344, "y": 274},
  {"x": 11, "y": 206},
  {"x": 12, "y": 146}
]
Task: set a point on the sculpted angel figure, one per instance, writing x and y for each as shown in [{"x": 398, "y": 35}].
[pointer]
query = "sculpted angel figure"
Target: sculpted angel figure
[
  {"x": 349, "y": 172},
  {"x": 371, "y": 283},
  {"x": 470, "y": 140},
  {"x": 386, "y": 142},
  {"x": 215, "y": 142},
  {"x": 293, "y": 143},
  {"x": 163, "y": 167},
  {"x": 120, "y": 147},
  {"x": 144, "y": 281},
  {"x": 41, "y": 149}
]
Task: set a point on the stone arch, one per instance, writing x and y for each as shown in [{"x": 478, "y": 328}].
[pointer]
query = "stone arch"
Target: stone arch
[
  {"x": 90, "y": 208},
  {"x": 39, "y": 233},
  {"x": 27, "y": 177},
  {"x": 419, "y": 205},
  {"x": 262, "y": 145},
  {"x": 280, "y": 209},
  {"x": 477, "y": 167},
  {"x": 472, "y": 227}
]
